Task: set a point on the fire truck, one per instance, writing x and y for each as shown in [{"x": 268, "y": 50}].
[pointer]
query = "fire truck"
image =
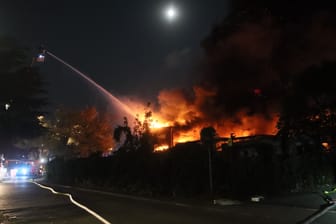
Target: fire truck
[{"x": 15, "y": 168}]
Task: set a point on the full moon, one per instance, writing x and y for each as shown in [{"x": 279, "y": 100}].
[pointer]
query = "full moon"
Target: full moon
[{"x": 171, "y": 13}]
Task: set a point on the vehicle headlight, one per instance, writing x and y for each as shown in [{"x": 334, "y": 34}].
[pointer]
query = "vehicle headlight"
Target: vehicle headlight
[{"x": 24, "y": 171}]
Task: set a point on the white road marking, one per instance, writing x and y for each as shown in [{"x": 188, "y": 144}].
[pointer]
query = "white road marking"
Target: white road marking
[{"x": 75, "y": 203}]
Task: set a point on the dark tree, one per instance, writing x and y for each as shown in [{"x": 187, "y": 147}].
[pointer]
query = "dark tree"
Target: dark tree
[
  {"x": 124, "y": 130},
  {"x": 310, "y": 105},
  {"x": 22, "y": 94},
  {"x": 141, "y": 138},
  {"x": 208, "y": 136}
]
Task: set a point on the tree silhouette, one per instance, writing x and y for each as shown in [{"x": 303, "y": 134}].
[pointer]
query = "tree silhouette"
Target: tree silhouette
[
  {"x": 140, "y": 138},
  {"x": 310, "y": 105},
  {"x": 22, "y": 94},
  {"x": 124, "y": 131},
  {"x": 208, "y": 136}
]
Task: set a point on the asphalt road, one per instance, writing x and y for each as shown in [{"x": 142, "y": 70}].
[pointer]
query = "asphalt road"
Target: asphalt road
[{"x": 25, "y": 202}]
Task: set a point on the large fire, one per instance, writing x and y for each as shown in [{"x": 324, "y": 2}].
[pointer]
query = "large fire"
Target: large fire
[{"x": 178, "y": 119}]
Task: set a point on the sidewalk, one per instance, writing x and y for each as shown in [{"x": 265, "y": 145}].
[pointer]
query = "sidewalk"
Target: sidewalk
[
  {"x": 302, "y": 200},
  {"x": 299, "y": 200}
]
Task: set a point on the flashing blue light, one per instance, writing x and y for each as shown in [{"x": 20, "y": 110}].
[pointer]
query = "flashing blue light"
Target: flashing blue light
[{"x": 24, "y": 171}]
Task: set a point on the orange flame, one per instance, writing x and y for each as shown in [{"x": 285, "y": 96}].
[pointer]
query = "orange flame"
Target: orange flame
[{"x": 186, "y": 120}]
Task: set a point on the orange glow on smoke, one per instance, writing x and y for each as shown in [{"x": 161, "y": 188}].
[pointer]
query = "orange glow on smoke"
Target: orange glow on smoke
[{"x": 183, "y": 120}]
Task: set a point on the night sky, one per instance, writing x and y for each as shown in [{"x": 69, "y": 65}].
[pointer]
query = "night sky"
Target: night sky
[
  {"x": 209, "y": 61},
  {"x": 222, "y": 63},
  {"x": 125, "y": 46}
]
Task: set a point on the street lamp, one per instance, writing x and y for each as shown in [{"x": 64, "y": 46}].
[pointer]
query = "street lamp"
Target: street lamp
[
  {"x": 43, "y": 160},
  {"x": 7, "y": 106}
]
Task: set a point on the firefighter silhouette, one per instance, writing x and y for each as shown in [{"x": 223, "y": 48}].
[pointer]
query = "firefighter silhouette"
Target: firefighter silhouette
[{"x": 230, "y": 141}]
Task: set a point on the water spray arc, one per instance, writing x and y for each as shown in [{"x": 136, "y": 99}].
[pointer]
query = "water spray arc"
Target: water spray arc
[{"x": 107, "y": 94}]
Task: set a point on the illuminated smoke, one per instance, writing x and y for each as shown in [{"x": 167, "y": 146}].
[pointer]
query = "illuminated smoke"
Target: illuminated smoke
[{"x": 249, "y": 62}]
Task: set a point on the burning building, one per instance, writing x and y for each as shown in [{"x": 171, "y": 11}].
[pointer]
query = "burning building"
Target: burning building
[{"x": 249, "y": 63}]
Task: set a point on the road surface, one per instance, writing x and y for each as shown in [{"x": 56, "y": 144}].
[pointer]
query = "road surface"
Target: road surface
[{"x": 25, "y": 202}]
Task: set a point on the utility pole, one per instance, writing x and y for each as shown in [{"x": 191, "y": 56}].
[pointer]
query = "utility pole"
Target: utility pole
[{"x": 210, "y": 174}]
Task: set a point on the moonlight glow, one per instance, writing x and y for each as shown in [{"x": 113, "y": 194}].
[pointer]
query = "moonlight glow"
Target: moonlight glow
[{"x": 171, "y": 13}]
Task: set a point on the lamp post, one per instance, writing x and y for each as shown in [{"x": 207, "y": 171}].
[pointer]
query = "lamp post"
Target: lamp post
[{"x": 208, "y": 136}]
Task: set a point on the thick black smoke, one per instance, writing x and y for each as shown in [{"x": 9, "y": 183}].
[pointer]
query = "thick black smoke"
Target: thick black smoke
[{"x": 251, "y": 56}]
